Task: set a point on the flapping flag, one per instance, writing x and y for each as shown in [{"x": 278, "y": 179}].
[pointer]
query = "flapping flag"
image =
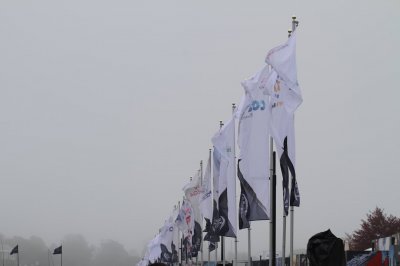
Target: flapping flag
[
  {"x": 213, "y": 230},
  {"x": 14, "y": 250},
  {"x": 169, "y": 253},
  {"x": 193, "y": 192},
  {"x": 162, "y": 247},
  {"x": 206, "y": 196},
  {"x": 57, "y": 250},
  {"x": 253, "y": 140},
  {"x": 224, "y": 142},
  {"x": 186, "y": 223},
  {"x": 285, "y": 99}
]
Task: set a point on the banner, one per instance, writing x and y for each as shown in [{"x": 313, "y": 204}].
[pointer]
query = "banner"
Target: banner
[
  {"x": 254, "y": 160},
  {"x": 224, "y": 142}
]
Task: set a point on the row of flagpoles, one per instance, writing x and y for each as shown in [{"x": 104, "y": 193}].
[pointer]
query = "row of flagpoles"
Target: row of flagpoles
[
  {"x": 264, "y": 116},
  {"x": 16, "y": 250}
]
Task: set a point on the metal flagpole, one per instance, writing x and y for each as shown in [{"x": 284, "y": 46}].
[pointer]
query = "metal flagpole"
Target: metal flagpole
[
  {"x": 284, "y": 214},
  {"x": 234, "y": 175},
  {"x": 201, "y": 231},
  {"x": 249, "y": 245},
  {"x": 179, "y": 243},
  {"x": 272, "y": 218},
  {"x": 61, "y": 257},
  {"x": 210, "y": 160},
  {"x": 216, "y": 253},
  {"x": 18, "y": 258},
  {"x": 222, "y": 237},
  {"x": 295, "y": 23},
  {"x": 223, "y": 250}
]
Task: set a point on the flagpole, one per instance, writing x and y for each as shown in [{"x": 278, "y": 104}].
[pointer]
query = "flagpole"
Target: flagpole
[
  {"x": 201, "y": 231},
  {"x": 295, "y": 23},
  {"x": 284, "y": 213},
  {"x": 249, "y": 245},
  {"x": 234, "y": 175},
  {"x": 272, "y": 196},
  {"x": 18, "y": 258},
  {"x": 178, "y": 241},
  {"x": 222, "y": 237}
]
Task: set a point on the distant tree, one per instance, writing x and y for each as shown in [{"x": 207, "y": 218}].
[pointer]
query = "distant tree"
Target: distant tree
[
  {"x": 77, "y": 251},
  {"x": 112, "y": 253},
  {"x": 377, "y": 225}
]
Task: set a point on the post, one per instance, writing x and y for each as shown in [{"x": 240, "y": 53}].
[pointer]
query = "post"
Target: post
[
  {"x": 223, "y": 250},
  {"x": 216, "y": 253},
  {"x": 61, "y": 257},
  {"x": 222, "y": 238},
  {"x": 178, "y": 240},
  {"x": 249, "y": 244},
  {"x": 208, "y": 261},
  {"x": 272, "y": 196},
  {"x": 283, "y": 238},
  {"x": 18, "y": 258},
  {"x": 271, "y": 204},
  {"x": 234, "y": 173},
  {"x": 210, "y": 161},
  {"x": 295, "y": 23},
  {"x": 201, "y": 233}
]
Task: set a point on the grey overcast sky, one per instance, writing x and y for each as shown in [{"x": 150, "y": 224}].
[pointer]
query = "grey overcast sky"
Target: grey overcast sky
[{"x": 107, "y": 107}]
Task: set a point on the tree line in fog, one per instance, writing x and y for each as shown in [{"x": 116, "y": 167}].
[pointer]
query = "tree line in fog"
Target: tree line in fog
[{"x": 76, "y": 251}]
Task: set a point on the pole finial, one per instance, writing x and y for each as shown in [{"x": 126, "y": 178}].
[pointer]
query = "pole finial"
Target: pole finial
[{"x": 293, "y": 17}]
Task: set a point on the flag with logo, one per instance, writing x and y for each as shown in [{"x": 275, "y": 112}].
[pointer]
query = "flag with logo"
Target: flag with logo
[
  {"x": 193, "y": 192},
  {"x": 253, "y": 140},
  {"x": 213, "y": 230},
  {"x": 224, "y": 142},
  {"x": 206, "y": 196},
  {"x": 285, "y": 99},
  {"x": 162, "y": 247},
  {"x": 168, "y": 253}
]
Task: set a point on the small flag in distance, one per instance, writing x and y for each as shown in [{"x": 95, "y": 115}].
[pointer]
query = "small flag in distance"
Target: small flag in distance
[
  {"x": 14, "y": 250},
  {"x": 57, "y": 250}
]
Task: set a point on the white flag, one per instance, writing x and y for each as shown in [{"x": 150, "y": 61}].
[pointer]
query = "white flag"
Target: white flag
[
  {"x": 206, "y": 195},
  {"x": 154, "y": 249},
  {"x": 162, "y": 246},
  {"x": 224, "y": 142},
  {"x": 253, "y": 140},
  {"x": 213, "y": 229},
  {"x": 193, "y": 192},
  {"x": 285, "y": 99}
]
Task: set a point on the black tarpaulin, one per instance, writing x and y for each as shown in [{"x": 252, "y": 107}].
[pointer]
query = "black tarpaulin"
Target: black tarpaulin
[{"x": 325, "y": 249}]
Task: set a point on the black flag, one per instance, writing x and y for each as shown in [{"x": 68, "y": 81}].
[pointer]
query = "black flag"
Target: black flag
[
  {"x": 57, "y": 250},
  {"x": 14, "y": 250}
]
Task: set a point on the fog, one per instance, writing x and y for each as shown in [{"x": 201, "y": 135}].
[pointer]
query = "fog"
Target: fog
[{"x": 33, "y": 251}]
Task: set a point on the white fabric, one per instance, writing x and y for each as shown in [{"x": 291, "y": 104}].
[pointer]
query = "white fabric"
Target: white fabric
[
  {"x": 253, "y": 137},
  {"x": 283, "y": 60},
  {"x": 285, "y": 99},
  {"x": 193, "y": 192},
  {"x": 224, "y": 142},
  {"x": 206, "y": 195}
]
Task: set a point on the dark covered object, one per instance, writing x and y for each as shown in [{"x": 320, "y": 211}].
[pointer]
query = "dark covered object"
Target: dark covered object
[{"x": 325, "y": 249}]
